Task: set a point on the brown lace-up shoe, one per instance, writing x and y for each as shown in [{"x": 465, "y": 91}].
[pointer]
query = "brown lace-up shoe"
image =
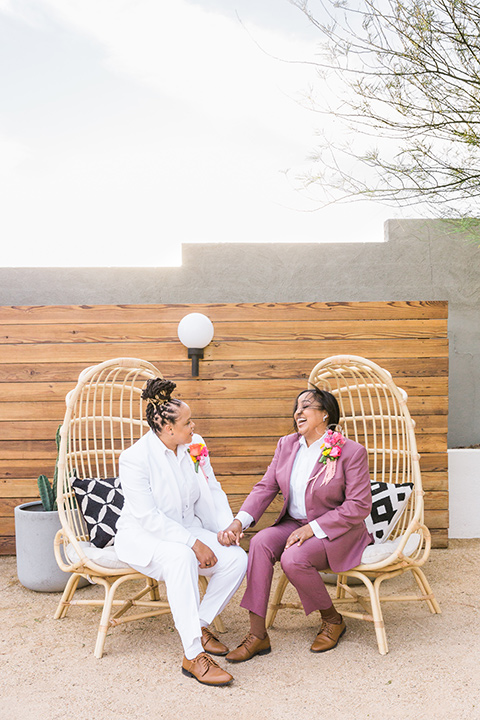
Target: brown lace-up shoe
[
  {"x": 204, "y": 669},
  {"x": 211, "y": 644},
  {"x": 250, "y": 647},
  {"x": 328, "y": 636}
]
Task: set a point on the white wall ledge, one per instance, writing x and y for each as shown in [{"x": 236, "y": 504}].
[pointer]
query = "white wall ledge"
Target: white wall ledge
[{"x": 464, "y": 492}]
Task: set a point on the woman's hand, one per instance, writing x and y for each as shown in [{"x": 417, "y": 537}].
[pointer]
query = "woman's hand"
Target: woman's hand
[
  {"x": 205, "y": 555},
  {"x": 299, "y": 536},
  {"x": 231, "y": 535}
]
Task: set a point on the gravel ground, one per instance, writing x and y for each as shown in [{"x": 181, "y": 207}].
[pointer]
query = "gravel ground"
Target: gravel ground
[{"x": 432, "y": 670}]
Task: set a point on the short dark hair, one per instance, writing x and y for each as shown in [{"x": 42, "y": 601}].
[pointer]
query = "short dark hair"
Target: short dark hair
[
  {"x": 161, "y": 407},
  {"x": 326, "y": 401}
]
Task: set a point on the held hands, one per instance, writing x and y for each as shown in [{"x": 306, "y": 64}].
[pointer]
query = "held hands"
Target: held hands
[
  {"x": 205, "y": 556},
  {"x": 231, "y": 535},
  {"x": 299, "y": 536}
]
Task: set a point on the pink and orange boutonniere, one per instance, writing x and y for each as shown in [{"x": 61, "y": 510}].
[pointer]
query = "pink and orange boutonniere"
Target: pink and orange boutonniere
[
  {"x": 332, "y": 447},
  {"x": 330, "y": 452},
  {"x": 199, "y": 454}
]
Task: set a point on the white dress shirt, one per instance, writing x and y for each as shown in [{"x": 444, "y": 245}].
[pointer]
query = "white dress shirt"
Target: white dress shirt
[
  {"x": 188, "y": 485},
  {"x": 301, "y": 473}
]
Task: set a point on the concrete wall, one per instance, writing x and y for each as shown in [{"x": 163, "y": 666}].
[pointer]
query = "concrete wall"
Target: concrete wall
[{"x": 420, "y": 260}]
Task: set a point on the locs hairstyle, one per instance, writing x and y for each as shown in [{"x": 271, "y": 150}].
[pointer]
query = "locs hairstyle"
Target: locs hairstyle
[
  {"x": 325, "y": 400},
  {"x": 162, "y": 408}
]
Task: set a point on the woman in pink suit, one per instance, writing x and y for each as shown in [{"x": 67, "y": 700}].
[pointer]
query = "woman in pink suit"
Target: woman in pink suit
[{"x": 325, "y": 483}]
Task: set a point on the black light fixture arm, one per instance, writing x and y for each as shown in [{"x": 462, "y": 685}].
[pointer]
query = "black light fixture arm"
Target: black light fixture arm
[{"x": 196, "y": 354}]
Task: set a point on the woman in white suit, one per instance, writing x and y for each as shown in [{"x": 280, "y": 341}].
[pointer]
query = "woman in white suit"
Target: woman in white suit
[{"x": 168, "y": 527}]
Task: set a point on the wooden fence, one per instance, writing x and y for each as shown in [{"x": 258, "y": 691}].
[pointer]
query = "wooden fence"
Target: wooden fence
[{"x": 259, "y": 360}]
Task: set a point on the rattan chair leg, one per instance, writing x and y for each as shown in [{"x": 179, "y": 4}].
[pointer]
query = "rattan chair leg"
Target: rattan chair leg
[
  {"x": 340, "y": 592},
  {"x": 73, "y": 589},
  {"x": 154, "y": 589},
  {"x": 219, "y": 625},
  {"x": 378, "y": 615},
  {"x": 274, "y": 605},
  {"x": 426, "y": 590},
  {"x": 67, "y": 595},
  {"x": 110, "y": 590}
]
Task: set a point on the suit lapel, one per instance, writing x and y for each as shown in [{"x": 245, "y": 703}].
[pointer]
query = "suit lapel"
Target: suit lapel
[{"x": 286, "y": 471}]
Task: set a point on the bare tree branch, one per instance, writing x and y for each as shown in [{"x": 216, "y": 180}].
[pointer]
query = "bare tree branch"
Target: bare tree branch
[{"x": 406, "y": 73}]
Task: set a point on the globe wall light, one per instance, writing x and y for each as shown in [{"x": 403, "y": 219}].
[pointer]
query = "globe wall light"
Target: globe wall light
[{"x": 195, "y": 331}]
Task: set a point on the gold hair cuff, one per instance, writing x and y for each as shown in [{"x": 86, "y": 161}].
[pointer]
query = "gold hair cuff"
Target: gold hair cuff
[{"x": 158, "y": 400}]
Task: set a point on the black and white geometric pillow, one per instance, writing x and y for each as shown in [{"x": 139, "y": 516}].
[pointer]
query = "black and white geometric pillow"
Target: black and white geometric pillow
[
  {"x": 101, "y": 503},
  {"x": 388, "y": 502}
]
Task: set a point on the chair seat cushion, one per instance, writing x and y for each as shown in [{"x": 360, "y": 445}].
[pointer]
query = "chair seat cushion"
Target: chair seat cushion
[
  {"x": 388, "y": 503},
  {"x": 106, "y": 557},
  {"x": 381, "y": 551},
  {"x": 101, "y": 502}
]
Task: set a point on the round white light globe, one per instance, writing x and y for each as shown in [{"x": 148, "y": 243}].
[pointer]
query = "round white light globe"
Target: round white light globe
[{"x": 195, "y": 330}]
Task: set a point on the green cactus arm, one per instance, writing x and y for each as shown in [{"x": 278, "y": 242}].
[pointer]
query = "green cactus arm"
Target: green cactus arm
[
  {"x": 46, "y": 493},
  {"x": 55, "y": 474}
]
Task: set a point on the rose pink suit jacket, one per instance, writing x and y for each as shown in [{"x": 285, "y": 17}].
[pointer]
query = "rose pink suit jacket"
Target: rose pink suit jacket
[{"x": 340, "y": 507}]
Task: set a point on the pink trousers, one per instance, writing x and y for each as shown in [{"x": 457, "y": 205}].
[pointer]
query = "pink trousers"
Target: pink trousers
[{"x": 300, "y": 565}]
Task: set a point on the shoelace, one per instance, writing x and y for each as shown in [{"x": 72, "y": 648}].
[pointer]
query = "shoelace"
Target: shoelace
[
  {"x": 326, "y": 629},
  {"x": 249, "y": 640},
  {"x": 206, "y": 662},
  {"x": 208, "y": 635}
]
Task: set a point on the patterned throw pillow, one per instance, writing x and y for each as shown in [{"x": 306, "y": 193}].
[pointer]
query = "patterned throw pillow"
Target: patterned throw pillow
[
  {"x": 388, "y": 502},
  {"x": 101, "y": 502}
]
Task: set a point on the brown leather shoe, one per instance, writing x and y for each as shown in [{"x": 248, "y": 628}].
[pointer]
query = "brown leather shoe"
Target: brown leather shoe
[
  {"x": 250, "y": 647},
  {"x": 204, "y": 669},
  {"x": 328, "y": 636},
  {"x": 211, "y": 644}
]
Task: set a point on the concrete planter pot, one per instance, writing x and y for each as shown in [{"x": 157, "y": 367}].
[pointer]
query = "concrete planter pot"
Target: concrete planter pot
[
  {"x": 35, "y": 530},
  {"x": 464, "y": 492}
]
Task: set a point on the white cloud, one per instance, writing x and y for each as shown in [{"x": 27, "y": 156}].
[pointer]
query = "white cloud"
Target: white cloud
[
  {"x": 12, "y": 154},
  {"x": 210, "y": 63},
  {"x": 201, "y": 124}
]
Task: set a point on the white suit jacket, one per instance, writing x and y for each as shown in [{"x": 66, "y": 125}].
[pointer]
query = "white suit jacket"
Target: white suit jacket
[{"x": 153, "y": 506}]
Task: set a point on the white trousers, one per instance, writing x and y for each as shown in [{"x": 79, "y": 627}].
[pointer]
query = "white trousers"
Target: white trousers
[{"x": 177, "y": 566}]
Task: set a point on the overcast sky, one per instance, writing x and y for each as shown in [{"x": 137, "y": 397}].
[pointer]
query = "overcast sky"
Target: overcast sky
[{"x": 130, "y": 126}]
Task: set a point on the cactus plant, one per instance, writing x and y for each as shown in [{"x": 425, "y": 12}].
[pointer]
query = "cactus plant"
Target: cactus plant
[{"x": 48, "y": 493}]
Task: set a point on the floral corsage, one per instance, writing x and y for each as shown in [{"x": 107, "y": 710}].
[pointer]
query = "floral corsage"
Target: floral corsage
[
  {"x": 331, "y": 450},
  {"x": 332, "y": 447},
  {"x": 198, "y": 453}
]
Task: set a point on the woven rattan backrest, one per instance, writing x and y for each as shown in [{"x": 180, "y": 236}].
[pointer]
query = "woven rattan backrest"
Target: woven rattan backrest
[
  {"x": 373, "y": 412},
  {"x": 105, "y": 414}
]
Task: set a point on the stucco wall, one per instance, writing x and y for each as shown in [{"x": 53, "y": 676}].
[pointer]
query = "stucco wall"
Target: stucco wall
[{"x": 420, "y": 260}]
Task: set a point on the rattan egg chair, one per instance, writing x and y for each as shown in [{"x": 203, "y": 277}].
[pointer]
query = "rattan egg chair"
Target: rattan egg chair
[
  {"x": 373, "y": 412},
  {"x": 104, "y": 415}
]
